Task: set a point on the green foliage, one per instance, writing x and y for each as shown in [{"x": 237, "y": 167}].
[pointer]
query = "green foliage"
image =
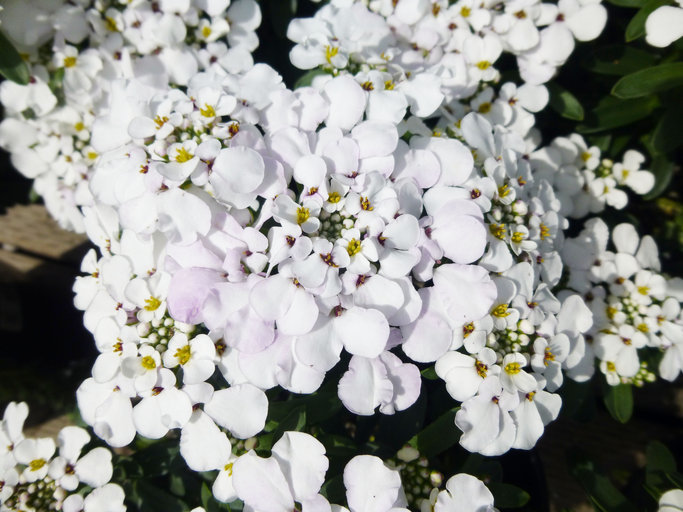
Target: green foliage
[
  {"x": 636, "y": 27},
  {"x": 12, "y": 66},
  {"x": 565, "y": 103},
  {"x": 508, "y": 496},
  {"x": 438, "y": 436},
  {"x": 619, "y": 401},
  {"x": 649, "y": 81},
  {"x": 601, "y": 491}
]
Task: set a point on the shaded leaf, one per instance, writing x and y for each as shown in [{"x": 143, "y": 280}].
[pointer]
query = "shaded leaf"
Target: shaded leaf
[
  {"x": 154, "y": 499},
  {"x": 429, "y": 373},
  {"x": 508, "y": 496},
  {"x": 307, "y": 78},
  {"x": 604, "y": 495},
  {"x": 649, "y": 81},
  {"x": 12, "y": 66},
  {"x": 438, "y": 436},
  {"x": 619, "y": 60},
  {"x": 667, "y": 136},
  {"x": 659, "y": 458},
  {"x": 565, "y": 103},
  {"x": 636, "y": 27},
  {"x": 614, "y": 113},
  {"x": 663, "y": 170},
  {"x": 619, "y": 401}
]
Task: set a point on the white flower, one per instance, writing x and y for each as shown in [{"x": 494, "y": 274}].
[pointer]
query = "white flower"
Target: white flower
[{"x": 664, "y": 26}]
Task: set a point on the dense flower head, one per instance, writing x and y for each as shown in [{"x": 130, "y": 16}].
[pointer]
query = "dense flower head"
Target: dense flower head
[
  {"x": 635, "y": 308},
  {"x": 76, "y": 51},
  {"x": 36, "y": 474}
]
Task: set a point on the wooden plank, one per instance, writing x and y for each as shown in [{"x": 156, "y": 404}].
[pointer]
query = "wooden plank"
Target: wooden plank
[{"x": 30, "y": 228}]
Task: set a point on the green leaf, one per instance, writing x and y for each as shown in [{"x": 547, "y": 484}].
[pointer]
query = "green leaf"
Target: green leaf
[
  {"x": 613, "y": 113},
  {"x": 599, "y": 488},
  {"x": 429, "y": 373},
  {"x": 508, "y": 496},
  {"x": 666, "y": 136},
  {"x": 636, "y": 27},
  {"x": 663, "y": 170},
  {"x": 294, "y": 421},
  {"x": 619, "y": 401},
  {"x": 153, "y": 499},
  {"x": 619, "y": 60},
  {"x": 659, "y": 458},
  {"x": 565, "y": 103},
  {"x": 307, "y": 78},
  {"x": 12, "y": 66},
  {"x": 438, "y": 436},
  {"x": 649, "y": 81}
]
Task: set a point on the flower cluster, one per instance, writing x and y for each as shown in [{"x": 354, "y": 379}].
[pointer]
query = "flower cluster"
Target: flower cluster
[
  {"x": 418, "y": 53},
  {"x": 585, "y": 182},
  {"x": 635, "y": 309},
  {"x": 33, "y": 477},
  {"x": 77, "y": 50}
]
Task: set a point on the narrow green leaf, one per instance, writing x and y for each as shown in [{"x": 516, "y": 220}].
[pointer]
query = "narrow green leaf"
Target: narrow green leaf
[
  {"x": 616, "y": 113},
  {"x": 156, "y": 500},
  {"x": 307, "y": 78},
  {"x": 508, "y": 496},
  {"x": 438, "y": 436},
  {"x": 12, "y": 66},
  {"x": 663, "y": 170},
  {"x": 636, "y": 27},
  {"x": 565, "y": 103},
  {"x": 599, "y": 488},
  {"x": 619, "y": 401},
  {"x": 619, "y": 60},
  {"x": 649, "y": 81},
  {"x": 667, "y": 136},
  {"x": 659, "y": 458},
  {"x": 429, "y": 373}
]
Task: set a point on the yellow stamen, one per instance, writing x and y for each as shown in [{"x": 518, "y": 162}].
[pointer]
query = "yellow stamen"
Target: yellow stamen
[
  {"x": 207, "y": 111},
  {"x": 365, "y": 204},
  {"x": 334, "y": 197},
  {"x": 302, "y": 215},
  {"x": 148, "y": 363},
  {"x": 498, "y": 230},
  {"x": 36, "y": 464},
  {"x": 69, "y": 62},
  {"x": 483, "y": 65},
  {"x": 512, "y": 368},
  {"x": 152, "y": 304},
  {"x": 183, "y": 354},
  {"x": 206, "y": 31},
  {"x": 354, "y": 247},
  {"x": 501, "y": 311},
  {"x": 330, "y": 51},
  {"x": 183, "y": 155},
  {"x": 465, "y": 11},
  {"x": 485, "y": 108}
]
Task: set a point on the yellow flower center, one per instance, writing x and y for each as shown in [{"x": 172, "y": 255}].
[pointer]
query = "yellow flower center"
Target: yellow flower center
[
  {"x": 92, "y": 155},
  {"x": 467, "y": 329},
  {"x": 69, "y": 62},
  {"x": 642, "y": 327},
  {"x": 481, "y": 368},
  {"x": 465, "y": 11},
  {"x": 389, "y": 85},
  {"x": 611, "y": 367},
  {"x": 148, "y": 363},
  {"x": 206, "y": 31},
  {"x": 483, "y": 65},
  {"x": 302, "y": 215},
  {"x": 548, "y": 356},
  {"x": 79, "y": 126},
  {"x": 228, "y": 468},
  {"x": 365, "y": 204},
  {"x": 498, "y": 230},
  {"x": 152, "y": 304},
  {"x": 207, "y": 111},
  {"x": 530, "y": 396},
  {"x": 585, "y": 156},
  {"x": 500, "y": 311},
  {"x": 334, "y": 197},
  {"x": 159, "y": 121},
  {"x": 183, "y": 354},
  {"x": 183, "y": 155},
  {"x": 354, "y": 247},
  {"x": 485, "y": 108},
  {"x": 504, "y": 190},
  {"x": 330, "y": 51},
  {"x": 643, "y": 290},
  {"x": 512, "y": 368},
  {"x": 545, "y": 232},
  {"x": 36, "y": 464},
  {"x": 518, "y": 237}
]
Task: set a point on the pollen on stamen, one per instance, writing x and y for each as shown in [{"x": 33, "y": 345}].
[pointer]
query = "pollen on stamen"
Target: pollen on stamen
[
  {"x": 365, "y": 204},
  {"x": 512, "y": 368}
]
